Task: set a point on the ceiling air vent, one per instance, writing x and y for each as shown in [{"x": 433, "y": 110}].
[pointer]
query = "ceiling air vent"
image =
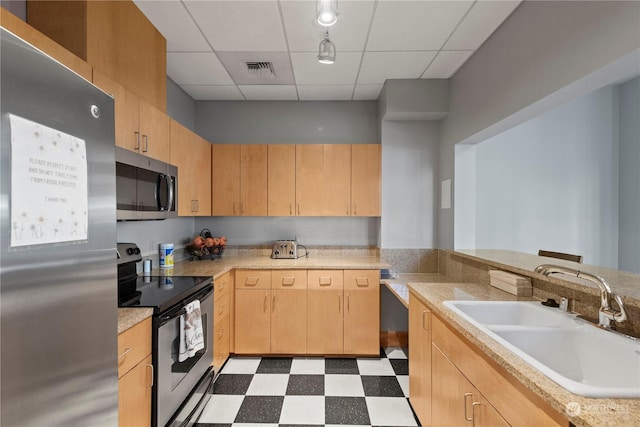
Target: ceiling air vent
[{"x": 261, "y": 69}]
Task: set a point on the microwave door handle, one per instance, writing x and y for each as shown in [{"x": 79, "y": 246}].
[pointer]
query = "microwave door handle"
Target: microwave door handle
[
  {"x": 170, "y": 184},
  {"x": 158, "y": 192}
]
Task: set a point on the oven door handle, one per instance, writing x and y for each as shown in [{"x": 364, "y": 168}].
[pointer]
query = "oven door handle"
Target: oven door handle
[{"x": 180, "y": 309}]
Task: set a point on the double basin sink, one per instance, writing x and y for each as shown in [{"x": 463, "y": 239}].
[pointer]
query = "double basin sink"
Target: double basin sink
[{"x": 579, "y": 356}]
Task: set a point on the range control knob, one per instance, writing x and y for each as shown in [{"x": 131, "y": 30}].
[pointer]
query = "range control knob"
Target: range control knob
[
  {"x": 130, "y": 251},
  {"x": 136, "y": 251}
]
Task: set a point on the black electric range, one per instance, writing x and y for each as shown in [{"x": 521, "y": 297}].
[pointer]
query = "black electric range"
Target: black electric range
[{"x": 157, "y": 292}]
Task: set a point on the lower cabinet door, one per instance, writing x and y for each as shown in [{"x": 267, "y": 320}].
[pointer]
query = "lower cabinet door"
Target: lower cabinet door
[
  {"x": 362, "y": 321},
  {"x": 134, "y": 395},
  {"x": 325, "y": 325},
  {"x": 252, "y": 321},
  {"x": 455, "y": 401},
  {"x": 289, "y": 321}
]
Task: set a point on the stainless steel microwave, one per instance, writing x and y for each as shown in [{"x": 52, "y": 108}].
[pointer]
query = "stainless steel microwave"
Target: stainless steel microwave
[{"x": 145, "y": 188}]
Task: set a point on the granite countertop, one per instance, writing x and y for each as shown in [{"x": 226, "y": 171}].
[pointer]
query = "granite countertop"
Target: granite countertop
[
  {"x": 128, "y": 317},
  {"x": 594, "y": 412},
  {"x": 398, "y": 285}
]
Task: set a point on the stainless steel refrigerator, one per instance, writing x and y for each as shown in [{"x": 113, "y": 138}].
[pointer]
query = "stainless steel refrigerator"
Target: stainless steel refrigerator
[{"x": 58, "y": 290}]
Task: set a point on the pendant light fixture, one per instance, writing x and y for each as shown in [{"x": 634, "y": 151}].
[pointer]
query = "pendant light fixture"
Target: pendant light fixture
[
  {"x": 327, "y": 12},
  {"x": 326, "y": 50}
]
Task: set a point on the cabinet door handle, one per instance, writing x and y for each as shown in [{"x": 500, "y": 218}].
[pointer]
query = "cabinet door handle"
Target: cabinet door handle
[
  {"x": 265, "y": 302},
  {"x": 347, "y": 209},
  {"x": 348, "y": 303},
  {"x": 197, "y": 205},
  {"x": 355, "y": 209},
  {"x": 325, "y": 281},
  {"x": 362, "y": 281},
  {"x": 146, "y": 143},
  {"x": 339, "y": 303},
  {"x": 290, "y": 209},
  {"x": 124, "y": 353},
  {"x": 234, "y": 208},
  {"x": 150, "y": 385},
  {"x": 473, "y": 412},
  {"x": 425, "y": 322},
  {"x": 137, "y": 141},
  {"x": 466, "y": 417},
  {"x": 273, "y": 303},
  {"x": 298, "y": 208}
]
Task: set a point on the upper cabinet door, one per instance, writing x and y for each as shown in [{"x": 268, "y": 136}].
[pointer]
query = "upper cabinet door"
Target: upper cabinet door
[
  {"x": 309, "y": 179},
  {"x": 180, "y": 156},
  {"x": 253, "y": 179},
  {"x": 337, "y": 180},
  {"x": 366, "y": 179},
  {"x": 225, "y": 179},
  {"x": 201, "y": 175},
  {"x": 281, "y": 181},
  {"x": 154, "y": 132}
]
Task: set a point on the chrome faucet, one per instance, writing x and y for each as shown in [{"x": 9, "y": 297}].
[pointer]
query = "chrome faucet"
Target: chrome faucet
[{"x": 606, "y": 314}]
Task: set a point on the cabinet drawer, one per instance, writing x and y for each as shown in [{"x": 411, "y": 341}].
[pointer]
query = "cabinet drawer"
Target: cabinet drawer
[
  {"x": 253, "y": 279},
  {"x": 221, "y": 342},
  {"x": 220, "y": 309},
  {"x": 134, "y": 344},
  {"x": 361, "y": 279},
  {"x": 289, "y": 279},
  {"x": 221, "y": 286},
  {"x": 325, "y": 279}
]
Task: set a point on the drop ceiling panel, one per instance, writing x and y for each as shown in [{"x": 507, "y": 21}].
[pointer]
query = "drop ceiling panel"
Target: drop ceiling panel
[
  {"x": 481, "y": 21},
  {"x": 174, "y": 22},
  {"x": 269, "y": 92},
  {"x": 366, "y": 92},
  {"x": 220, "y": 93},
  {"x": 196, "y": 69},
  {"x": 308, "y": 71},
  {"x": 325, "y": 93},
  {"x": 446, "y": 63},
  {"x": 414, "y": 25},
  {"x": 379, "y": 66},
  {"x": 349, "y": 33},
  {"x": 240, "y": 25},
  {"x": 235, "y": 63}
]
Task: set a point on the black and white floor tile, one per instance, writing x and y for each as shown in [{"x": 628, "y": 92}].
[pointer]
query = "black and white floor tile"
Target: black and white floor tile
[{"x": 298, "y": 391}]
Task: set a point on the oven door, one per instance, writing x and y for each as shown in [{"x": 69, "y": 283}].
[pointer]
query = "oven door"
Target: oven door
[{"x": 174, "y": 380}]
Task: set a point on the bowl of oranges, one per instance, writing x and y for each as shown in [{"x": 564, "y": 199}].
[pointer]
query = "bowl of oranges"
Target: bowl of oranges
[{"x": 206, "y": 246}]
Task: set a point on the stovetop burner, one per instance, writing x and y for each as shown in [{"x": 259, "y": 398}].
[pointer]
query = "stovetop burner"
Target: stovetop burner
[{"x": 157, "y": 292}]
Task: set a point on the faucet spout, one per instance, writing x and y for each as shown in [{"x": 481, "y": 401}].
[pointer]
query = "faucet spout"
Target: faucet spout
[{"x": 606, "y": 314}]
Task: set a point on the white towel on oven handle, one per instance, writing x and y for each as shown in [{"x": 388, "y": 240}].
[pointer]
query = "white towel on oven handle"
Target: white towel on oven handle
[{"x": 191, "y": 334}]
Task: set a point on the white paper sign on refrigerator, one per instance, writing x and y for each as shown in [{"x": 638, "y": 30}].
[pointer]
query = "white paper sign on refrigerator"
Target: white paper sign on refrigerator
[{"x": 49, "y": 185}]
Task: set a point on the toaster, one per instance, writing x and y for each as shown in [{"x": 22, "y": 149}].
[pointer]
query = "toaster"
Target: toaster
[{"x": 284, "y": 249}]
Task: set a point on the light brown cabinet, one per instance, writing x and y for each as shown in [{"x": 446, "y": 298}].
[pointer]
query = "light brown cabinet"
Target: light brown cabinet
[
  {"x": 361, "y": 312},
  {"x": 253, "y": 312},
  {"x": 461, "y": 386},
  {"x": 192, "y": 155},
  {"x": 140, "y": 127},
  {"x": 326, "y": 312},
  {"x": 289, "y": 312},
  {"x": 31, "y": 35},
  {"x": 456, "y": 402},
  {"x": 135, "y": 375},
  {"x": 221, "y": 319},
  {"x": 242, "y": 189},
  {"x": 420, "y": 357},
  {"x": 281, "y": 184},
  {"x": 366, "y": 179},
  {"x": 323, "y": 180},
  {"x": 115, "y": 37}
]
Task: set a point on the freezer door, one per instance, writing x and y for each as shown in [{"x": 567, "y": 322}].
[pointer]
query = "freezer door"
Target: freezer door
[{"x": 58, "y": 286}]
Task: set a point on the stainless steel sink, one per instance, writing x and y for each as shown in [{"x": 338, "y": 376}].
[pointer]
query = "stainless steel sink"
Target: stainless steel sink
[{"x": 579, "y": 356}]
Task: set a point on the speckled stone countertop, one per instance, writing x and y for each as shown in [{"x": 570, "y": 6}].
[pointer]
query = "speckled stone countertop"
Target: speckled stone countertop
[
  {"x": 594, "y": 412},
  {"x": 128, "y": 317},
  {"x": 398, "y": 285},
  {"x": 217, "y": 267}
]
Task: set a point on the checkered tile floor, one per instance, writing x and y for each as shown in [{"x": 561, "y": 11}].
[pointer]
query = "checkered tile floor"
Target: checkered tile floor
[{"x": 299, "y": 391}]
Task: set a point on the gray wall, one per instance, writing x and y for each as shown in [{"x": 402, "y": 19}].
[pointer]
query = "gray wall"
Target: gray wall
[
  {"x": 17, "y": 7},
  {"x": 540, "y": 50},
  {"x": 629, "y": 241},
  {"x": 409, "y": 184},
  {"x": 288, "y": 122},
  {"x": 284, "y": 122},
  {"x": 180, "y": 106},
  {"x": 552, "y": 182}
]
